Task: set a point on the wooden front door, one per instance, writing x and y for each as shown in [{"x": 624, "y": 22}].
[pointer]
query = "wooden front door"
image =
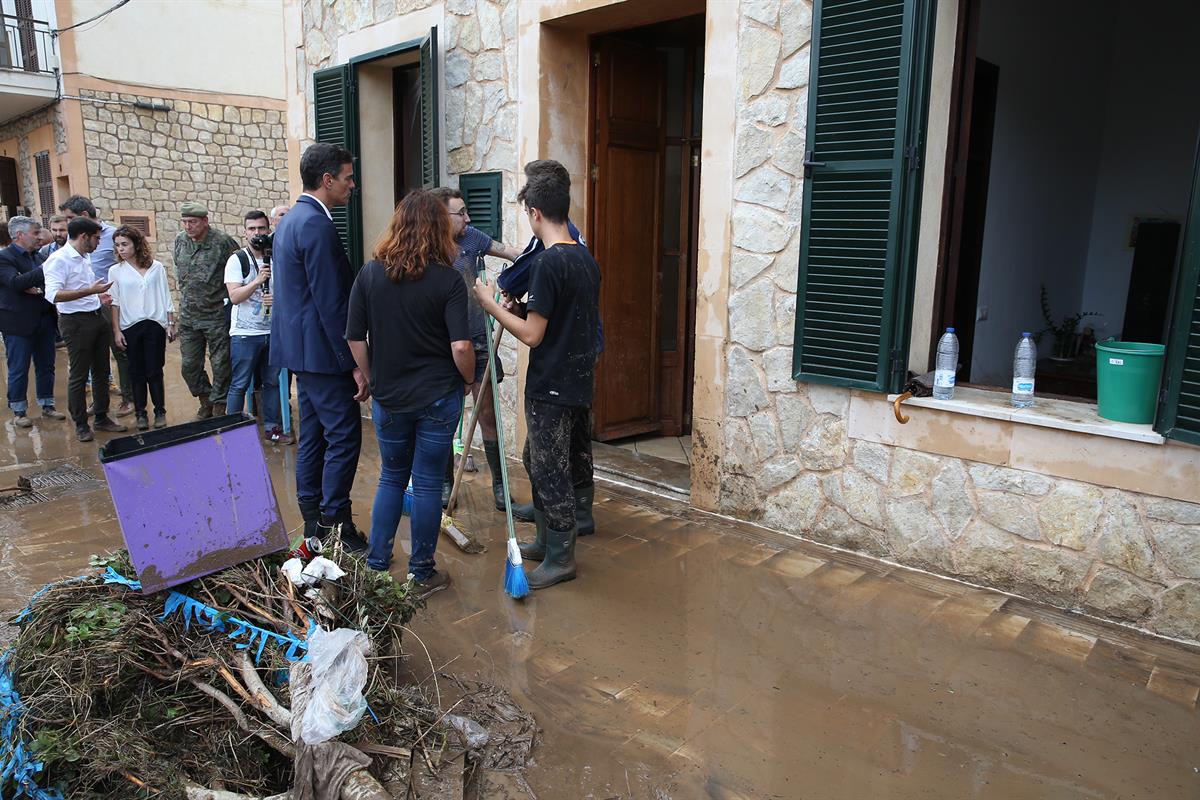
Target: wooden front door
[
  {"x": 10, "y": 190},
  {"x": 625, "y": 205}
]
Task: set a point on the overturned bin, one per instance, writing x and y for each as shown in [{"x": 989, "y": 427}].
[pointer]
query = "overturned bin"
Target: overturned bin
[{"x": 193, "y": 499}]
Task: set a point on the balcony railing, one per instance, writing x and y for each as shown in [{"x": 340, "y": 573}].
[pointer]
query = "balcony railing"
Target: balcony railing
[{"x": 26, "y": 45}]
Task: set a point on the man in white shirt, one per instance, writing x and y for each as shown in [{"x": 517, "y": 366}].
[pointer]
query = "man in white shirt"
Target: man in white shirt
[
  {"x": 71, "y": 284},
  {"x": 247, "y": 281}
]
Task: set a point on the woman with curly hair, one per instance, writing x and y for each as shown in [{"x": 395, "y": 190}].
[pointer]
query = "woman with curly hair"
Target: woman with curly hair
[
  {"x": 407, "y": 328},
  {"x": 143, "y": 319}
]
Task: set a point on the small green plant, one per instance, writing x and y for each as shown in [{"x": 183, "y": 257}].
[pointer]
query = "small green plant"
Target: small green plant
[
  {"x": 1064, "y": 330},
  {"x": 99, "y": 621}
]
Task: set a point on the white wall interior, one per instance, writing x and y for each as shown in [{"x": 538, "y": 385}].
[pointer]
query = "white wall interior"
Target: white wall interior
[{"x": 1095, "y": 125}]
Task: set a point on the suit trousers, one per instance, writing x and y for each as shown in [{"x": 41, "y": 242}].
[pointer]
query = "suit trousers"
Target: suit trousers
[
  {"x": 37, "y": 348},
  {"x": 330, "y": 440},
  {"x": 89, "y": 337}
]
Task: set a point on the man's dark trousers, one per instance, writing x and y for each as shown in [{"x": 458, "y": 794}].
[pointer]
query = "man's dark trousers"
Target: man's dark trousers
[
  {"x": 38, "y": 348},
  {"x": 330, "y": 440},
  {"x": 88, "y": 338}
]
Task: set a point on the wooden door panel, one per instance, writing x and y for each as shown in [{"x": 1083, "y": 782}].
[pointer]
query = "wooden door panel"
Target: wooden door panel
[{"x": 626, "y": 226}]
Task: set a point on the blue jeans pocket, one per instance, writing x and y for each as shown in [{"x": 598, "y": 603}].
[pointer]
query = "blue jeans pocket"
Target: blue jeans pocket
[{"x": 445, "y": 410}]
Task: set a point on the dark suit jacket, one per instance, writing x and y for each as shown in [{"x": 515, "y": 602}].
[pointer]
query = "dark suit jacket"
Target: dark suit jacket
[
  {"x": 310, "y": 285},
  {"x": 20, "y": 313}
]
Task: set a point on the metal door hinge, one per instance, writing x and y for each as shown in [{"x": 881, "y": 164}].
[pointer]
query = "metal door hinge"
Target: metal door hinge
[
  {"x": 897, "y": 363},
  {"x": 912, "y": 154},
  {"x": 595, "y": 172},
  {"x": 695, "y": 159},
  {"x": 595, "y": 59}
]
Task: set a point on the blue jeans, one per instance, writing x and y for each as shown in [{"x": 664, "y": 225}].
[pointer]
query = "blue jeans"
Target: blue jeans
[
  {"x": 37, "y": 348},
  {"x": 412, "y": 444},
  {"x": 248, "y": 356}
]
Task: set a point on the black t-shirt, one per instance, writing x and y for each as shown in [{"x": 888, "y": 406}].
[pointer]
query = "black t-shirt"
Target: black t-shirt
[
  {"x": 409, "y": 327},
  {"x": 565, "y": 289}
]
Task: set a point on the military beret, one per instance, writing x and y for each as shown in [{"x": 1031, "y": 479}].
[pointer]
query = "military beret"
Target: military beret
[{"x": 193, "y": 210}]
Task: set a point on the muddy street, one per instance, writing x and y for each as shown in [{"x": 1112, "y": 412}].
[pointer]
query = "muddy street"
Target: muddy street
[{"x": 701, "y": 657}]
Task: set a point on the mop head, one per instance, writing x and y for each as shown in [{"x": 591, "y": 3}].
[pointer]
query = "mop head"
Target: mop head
[{"x": 515, "y": 582}]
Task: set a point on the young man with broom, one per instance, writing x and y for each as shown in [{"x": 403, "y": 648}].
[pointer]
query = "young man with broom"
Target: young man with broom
[{"x": 562, "y": 312}]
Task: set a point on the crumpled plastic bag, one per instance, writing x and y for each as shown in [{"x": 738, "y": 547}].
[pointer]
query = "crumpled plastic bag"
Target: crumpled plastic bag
[
  {"x": 475, "y": 735},
  {"x": 319, "y": 569},
  {"x": 339, "y": 674}
]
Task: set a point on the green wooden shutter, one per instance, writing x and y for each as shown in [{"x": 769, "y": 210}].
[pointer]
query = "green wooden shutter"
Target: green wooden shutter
[
  {"x": 481, "y": 190},
  {"x": 866, "y": 113},
  {"x": 335, "y": 111},
  {"x": 1179, "y": 411},
  {"x": 430, "y": 163}
]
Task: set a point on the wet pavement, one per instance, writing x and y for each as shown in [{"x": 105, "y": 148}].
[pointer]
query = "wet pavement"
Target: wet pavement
[{"x": 698, "y": 657}]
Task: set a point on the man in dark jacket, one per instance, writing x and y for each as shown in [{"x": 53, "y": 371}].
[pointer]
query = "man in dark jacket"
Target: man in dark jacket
[
  {"x": 28, "y": 323},
  {"x": 310, "y": 285}
]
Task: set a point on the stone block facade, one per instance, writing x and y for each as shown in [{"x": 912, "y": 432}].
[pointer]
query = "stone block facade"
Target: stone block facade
[
  {"x": 478, "y": 44},
  {"x": 230, "y": 158},
  {"x": 787, "y": 459},
  {"x": 784, "y": 456}
]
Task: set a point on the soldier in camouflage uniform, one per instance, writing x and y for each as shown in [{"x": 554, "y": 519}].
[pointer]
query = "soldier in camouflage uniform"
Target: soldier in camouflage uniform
[{"x": 200, "y": 256}]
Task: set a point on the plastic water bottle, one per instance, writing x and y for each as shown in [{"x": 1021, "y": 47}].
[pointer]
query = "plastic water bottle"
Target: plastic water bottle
[
  {"x": 1024, "y": 367},
  {"x": 946, "y": 366}
]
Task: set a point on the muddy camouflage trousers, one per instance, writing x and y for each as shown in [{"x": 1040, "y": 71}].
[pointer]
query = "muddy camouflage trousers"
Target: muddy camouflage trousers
[
  {"x": 558, "y": 458},
  {"x": 194, "y": 338}
]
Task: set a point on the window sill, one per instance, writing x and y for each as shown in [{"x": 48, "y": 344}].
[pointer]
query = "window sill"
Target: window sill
[{"x": 1065, "y": 415}]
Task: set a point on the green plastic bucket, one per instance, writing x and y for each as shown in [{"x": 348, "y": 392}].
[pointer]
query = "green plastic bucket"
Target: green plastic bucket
[{"x": 1127, "y": 378}]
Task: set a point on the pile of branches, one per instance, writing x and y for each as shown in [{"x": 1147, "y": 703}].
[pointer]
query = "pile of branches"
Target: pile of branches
[{"x": 117, "y": 702}]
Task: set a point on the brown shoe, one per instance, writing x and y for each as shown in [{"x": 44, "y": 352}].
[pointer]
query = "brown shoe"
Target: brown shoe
[
  {"x": 50, "y": 412},
  {"x": 106, "y": 425},
  {"x": 205, "y": 411},
  {"x": 83, "y": 433},
  {"x": 434, "y": 583},
  {"x": 125, "y": 409}
]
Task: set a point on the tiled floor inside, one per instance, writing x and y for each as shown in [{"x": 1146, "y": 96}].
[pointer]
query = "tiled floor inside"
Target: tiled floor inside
[{"x": 672, "y": 448}]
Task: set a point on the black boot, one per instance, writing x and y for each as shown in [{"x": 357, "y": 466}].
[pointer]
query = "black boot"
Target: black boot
[
  {"x": 559, "y": 563},
  {"x": 311, "y": 514},
  {"x": 584, "y": 521},
  {"x": 492, "y": 451},
  {"x": 523, "y": 512},
  {"x": 535, "y": 550},
  {"x": 343, "y": 525}
]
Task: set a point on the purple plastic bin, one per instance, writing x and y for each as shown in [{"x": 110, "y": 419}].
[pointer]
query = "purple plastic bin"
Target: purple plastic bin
[{"x": 193, "y": 499}]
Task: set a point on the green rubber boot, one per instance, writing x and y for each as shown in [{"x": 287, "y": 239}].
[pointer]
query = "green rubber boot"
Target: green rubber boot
[
  {"x": 559, "y": 563},
  {"x": 492, "y": 451},
  {"x": 585, "y": 523},
  {"x": 535, "y": 550}
]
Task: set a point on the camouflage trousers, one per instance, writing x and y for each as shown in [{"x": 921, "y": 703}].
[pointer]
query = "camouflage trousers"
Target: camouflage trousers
[{"x": 194, "y": 337}]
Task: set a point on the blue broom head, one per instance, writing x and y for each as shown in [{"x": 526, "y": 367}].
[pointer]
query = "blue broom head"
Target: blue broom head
[{"x": 516, "y": 585}]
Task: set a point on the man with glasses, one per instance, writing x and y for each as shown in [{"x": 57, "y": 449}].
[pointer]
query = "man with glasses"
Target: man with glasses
[{"x": 473, "y": 245}]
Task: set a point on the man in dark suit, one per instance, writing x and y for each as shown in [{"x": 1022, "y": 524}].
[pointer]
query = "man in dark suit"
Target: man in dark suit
[
  {"x": 310, "y": 286},
  {"x": 28, "y": 323}
]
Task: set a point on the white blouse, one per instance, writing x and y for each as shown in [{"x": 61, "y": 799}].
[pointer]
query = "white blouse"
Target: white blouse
[{"x": 141, "y": 297}]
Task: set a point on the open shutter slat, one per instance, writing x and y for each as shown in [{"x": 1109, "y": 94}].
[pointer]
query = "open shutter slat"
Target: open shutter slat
[
  {"x": 481, "y": 191},
  {"x": 1179, "y": 411},
  {"x": 430, "y": 146},
  {"x": 335, "y": 115},
  {"x": 865, "y": 84}
]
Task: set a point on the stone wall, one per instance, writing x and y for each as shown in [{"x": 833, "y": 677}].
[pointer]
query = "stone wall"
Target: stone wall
[
  {"x": 478, "y": 65},
  {"x": 789, "y": 463},
  {"x": 231, "y": 159}
]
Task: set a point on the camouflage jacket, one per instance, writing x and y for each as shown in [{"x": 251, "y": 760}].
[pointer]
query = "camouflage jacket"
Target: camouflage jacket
[{"x": 200, "y": 275}]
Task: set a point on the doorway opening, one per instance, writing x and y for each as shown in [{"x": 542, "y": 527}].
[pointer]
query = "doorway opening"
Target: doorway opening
[
  {"x": 1073, "y": 148},
  {"x": 647, "y": 89},
  {"x": 389, "y": 102}
]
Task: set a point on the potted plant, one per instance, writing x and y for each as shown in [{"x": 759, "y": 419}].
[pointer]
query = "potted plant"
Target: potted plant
[{"x": 1063, "y": 330}]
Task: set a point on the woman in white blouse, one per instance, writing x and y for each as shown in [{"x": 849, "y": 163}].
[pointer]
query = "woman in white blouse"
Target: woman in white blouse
[{"x": 143, "y": 317}]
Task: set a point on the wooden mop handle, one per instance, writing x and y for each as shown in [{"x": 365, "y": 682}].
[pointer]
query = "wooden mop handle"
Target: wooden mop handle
[{"x": 470, "y": 437}]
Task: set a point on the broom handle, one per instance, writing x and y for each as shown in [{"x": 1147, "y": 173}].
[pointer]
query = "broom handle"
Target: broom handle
[
  {"x": 462, "y": 462},
  {"x": 512, "y": 532}
]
